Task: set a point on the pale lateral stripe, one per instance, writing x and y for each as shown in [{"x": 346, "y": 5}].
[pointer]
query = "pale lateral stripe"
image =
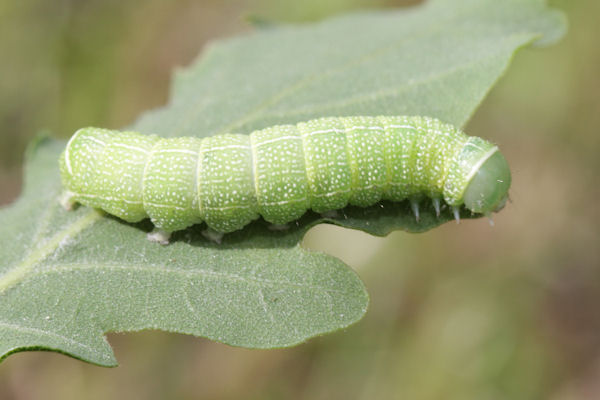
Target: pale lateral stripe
[
  {"x": 357, "y": 127},
  {"x": 126, "y": 146},
  {"x": 182, "y": 151},
  {"x": 108, "y": 198},
  {"x": 93, "y": 139},
  {"x": 165, "y": 206},
  {"x": 329, "y": 194},
  {"x": 474, "y": 146},
  {"x": 68, "y": 148},
  {"x": 331, "y": 130},
  {"x": 368, "y": 128},
  {"x": 400, "y": 126},
  {"x": 479, "y": 163},
  {"x": 231, "y": 146},
  {"x": 258, "y": 144},
  {"x": 67, "y": 155},
  {"x": 323, "y": 131}
]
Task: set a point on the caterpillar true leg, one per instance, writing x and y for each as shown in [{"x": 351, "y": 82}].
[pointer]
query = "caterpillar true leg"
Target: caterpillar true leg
[
  {"x": 213, "y": 235},
  {"x": 330, "y": 214},
  {"x": 414, "y": 205},
  {"x": 278, "y": 227},
  {"x": 436, "y": 205},
  {"x": 67, "y": 200},
  {"x": 159, "y": 236}
]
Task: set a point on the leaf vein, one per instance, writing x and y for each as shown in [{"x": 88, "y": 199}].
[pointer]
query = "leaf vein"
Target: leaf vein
[
  {"x": 28, "y": 329},
  {"x": 51, "y": 269}
]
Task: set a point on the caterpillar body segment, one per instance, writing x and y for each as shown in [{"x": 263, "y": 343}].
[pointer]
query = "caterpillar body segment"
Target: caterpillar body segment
[{"x": 282, "y": 171}]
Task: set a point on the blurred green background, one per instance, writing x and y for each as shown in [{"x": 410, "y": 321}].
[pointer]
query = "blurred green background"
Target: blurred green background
[{"x": 461, "y": 312}]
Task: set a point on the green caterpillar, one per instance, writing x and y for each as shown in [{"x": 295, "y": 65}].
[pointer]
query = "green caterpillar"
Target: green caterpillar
[{"x": 280, "y": 172}]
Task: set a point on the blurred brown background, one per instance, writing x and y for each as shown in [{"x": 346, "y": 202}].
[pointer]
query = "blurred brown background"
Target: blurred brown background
[{"x": 461, "y": 312}]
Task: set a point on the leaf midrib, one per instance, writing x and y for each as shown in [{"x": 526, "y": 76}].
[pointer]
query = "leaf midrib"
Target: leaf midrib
[
  {"x": 187, "y": 273},
  {"x": 37, "y": 255}
]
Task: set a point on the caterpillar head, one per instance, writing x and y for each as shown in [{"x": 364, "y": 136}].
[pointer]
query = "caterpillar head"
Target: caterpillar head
[
  {"x": 487, "y": 190},
  {"x": 478, "y": 177}
]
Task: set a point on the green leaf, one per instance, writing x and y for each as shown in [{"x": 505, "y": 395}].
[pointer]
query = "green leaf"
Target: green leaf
[{"x": 66, "y": 278}]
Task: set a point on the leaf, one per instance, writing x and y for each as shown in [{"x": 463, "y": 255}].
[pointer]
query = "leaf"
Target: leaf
[
  {"x": 67, "y": 278},
  {"x": 438, "y": 60}
]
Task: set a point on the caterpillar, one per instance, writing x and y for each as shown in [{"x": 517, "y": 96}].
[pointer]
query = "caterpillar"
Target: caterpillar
[{"x": 280, "y": 172}]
